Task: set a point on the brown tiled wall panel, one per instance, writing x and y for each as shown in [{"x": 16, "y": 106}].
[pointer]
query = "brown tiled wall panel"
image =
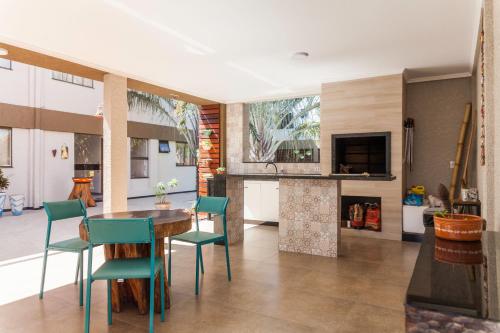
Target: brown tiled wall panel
[{"x": 17, "y": 116}]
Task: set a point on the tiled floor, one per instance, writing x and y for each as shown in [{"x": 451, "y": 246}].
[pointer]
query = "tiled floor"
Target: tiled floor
[{"x": 271, "y": 291}]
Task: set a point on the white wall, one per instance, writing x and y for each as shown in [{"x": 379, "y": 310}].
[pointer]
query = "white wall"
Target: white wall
[
  {"x": 28, "y": 85},
  {"x": 162, "y": 167},
  {"x": 41, "y": 177},
  {"x": 14, "y": 84},
  {"x": 78, "y": 99},
  {"x": 19, "y": 173},
  {"x": 186, "y": 175},
  {"x": 58, "y": 173}
]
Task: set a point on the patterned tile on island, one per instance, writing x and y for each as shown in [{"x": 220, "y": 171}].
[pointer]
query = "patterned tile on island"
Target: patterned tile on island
[{"x": 309, "y": 216}]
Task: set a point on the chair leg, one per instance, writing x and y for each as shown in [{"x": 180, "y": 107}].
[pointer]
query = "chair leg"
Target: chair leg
[
  {"x": 162, "y": 291},
  {"x": 201, "y": 260},
  {"x": 80, "y": 260},
  {"x": 77, "y": 268},
  {"x": 110, "y": 313},
  {"x": 196, "y": 288},
  {"x": 151, "y": 302},
  {"x": 227, "y": 260},
  {"x": 87, "y": 306},
  {"x": 43, "y": 274},
  {"x": 169, "y": 261}
]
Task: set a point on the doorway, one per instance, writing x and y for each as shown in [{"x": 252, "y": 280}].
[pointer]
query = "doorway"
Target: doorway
[{"x": 88, "y": 161}]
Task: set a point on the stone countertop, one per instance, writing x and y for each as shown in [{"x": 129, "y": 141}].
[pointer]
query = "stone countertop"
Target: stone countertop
[
  {"x": 275, "y": 176},
  {"x": 457, "y": 277}
]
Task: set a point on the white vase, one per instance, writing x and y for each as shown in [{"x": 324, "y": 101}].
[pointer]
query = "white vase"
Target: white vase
[
  {"x": 3, "y": 196},
  {"x": 16, "y": 204}
]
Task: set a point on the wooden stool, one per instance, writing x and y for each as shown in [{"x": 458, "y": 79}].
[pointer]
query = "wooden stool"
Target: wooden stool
[{"x": 81, "y": 190}]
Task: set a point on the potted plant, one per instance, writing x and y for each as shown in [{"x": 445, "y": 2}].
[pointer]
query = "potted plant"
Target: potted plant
[
  {"x": 206, "y": 145},
  {"x": 220, "y": 170},
  {"x": 4, "y": 184},
  {"x": 458, "y": 227},
  {"x": 206, "y": 132},
  {"x": 205, "y": 162},
  {"x": 161, "y": 191}
]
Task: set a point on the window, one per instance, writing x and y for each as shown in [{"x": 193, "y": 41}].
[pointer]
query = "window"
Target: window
[
  {"x": 163, "y": 147},
  {"x": 184, "y": 155},
  {"x": 139, "y": 158},
  {"x": 5, "y": 63},
  {"x": 283, "y": 131},
  {"x": 70, "y": 78},
  {"x": 5, "y": 147}
]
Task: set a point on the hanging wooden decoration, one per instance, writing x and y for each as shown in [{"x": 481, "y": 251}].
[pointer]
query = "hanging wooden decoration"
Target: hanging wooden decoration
[
  {"x": 482, "y": 110},
  {"x": 64, "y": 152}
]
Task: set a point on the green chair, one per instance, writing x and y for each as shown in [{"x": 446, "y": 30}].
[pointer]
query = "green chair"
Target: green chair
[
  {"x": 212, "y": 205},
  {"x": 61, "y": 210},
  {"x": 124, "y": 231}
]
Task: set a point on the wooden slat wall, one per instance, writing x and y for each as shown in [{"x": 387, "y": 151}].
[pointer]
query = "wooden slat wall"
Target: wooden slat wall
[{"x": 209, "y": 161}]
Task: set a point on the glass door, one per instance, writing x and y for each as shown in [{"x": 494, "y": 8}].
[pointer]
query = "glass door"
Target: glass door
[{"x": 88, "y": 160}]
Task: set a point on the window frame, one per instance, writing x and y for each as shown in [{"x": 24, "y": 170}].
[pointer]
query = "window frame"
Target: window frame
[
  {"x": 91, "y": 86},
  {"x": 10, "y": 147},
  {"x": 132, "y": 158},
  {"x": 186, "y": 149},
  {"x": 10, "y": 65}
]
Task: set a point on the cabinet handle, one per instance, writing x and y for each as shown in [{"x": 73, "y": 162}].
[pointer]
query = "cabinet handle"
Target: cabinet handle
[{"x": 245, "y": 186}]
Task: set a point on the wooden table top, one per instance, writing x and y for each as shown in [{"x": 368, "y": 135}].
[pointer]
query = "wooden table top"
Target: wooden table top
[{"x": 166, "y": 222}]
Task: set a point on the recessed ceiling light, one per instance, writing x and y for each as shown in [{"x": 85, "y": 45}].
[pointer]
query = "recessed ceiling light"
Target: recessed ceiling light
[
  {"x": 300, "y": 55},
  {"x": 3, "y": 52}
]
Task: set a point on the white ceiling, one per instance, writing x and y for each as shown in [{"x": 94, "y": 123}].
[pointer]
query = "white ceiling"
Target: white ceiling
[{"x": 240, "y": 50}]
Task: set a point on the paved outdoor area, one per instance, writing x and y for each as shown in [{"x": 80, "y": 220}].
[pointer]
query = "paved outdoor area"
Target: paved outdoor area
[{"x": 271, "y": 291}]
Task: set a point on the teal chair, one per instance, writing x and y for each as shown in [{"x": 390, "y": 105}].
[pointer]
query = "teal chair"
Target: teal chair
[
  {"x": 212, "y": 205},
  {"x": 124, "y": 231},
  {"x": 61, "y": 210}
]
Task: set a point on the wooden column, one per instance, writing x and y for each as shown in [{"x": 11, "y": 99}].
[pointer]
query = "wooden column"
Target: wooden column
[
  {"x": 211, "y": 159},
  {"x": 115, "y": 154}
]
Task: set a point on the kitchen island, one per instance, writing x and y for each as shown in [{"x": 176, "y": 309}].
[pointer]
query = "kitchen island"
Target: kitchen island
[
  {"x": 309, "y": 211},
  {"x": 455, "y": 286}
]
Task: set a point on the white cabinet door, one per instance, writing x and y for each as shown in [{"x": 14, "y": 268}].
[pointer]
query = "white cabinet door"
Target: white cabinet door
[
  {"x": 270, "y": 201},
  {"x": 252, "y": 200}
]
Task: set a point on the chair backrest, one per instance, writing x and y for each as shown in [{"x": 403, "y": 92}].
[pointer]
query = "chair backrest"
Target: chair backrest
[
  {"x": 120, "y": 231},
  {"x": 60, "y": 210},
  {"x": 212, "y": 205}
]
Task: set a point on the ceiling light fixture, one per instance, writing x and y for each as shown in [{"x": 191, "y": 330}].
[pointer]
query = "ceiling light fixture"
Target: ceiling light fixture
[
  {"x": 3, "y": 52},
  {"x": 300, "y": 55}
]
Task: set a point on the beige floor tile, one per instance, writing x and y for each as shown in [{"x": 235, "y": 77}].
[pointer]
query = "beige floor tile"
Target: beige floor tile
[{"x": 271, "y": 291}]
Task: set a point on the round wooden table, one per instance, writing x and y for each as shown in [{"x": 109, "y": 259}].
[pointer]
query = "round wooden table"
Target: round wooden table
[
  {"x": 166, "y": 223},
  {"x": 81, "y": 190}
]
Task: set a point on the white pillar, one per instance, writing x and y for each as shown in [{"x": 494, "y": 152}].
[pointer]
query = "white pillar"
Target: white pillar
[
  {"x": 490, "y": 172},
  {"x": 115, "y": 162}
]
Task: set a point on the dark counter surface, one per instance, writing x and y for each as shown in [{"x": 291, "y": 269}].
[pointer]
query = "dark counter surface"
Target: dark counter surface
[
  {"x": 441, "y": 281},
  {"x": 271, "y": 176}
]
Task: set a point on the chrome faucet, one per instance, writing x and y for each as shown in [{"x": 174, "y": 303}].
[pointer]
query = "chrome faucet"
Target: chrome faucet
[{"x": 274, "y": 165}]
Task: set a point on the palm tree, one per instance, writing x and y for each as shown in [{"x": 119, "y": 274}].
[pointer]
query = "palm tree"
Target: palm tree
[
  {"x": 184, "y": 116},
  {"x": 290, "y": 124}
]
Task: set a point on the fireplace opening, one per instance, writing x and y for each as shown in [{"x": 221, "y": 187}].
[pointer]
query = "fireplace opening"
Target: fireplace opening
[
  {"x": 367, "y": 154},
  {"x": 367, "y": 215}
]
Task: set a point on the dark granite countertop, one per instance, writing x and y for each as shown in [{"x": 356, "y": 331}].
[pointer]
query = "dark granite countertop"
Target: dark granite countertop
[
  {"x": 457, "y": 277},
  {"x": 274, "y": 176}
]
